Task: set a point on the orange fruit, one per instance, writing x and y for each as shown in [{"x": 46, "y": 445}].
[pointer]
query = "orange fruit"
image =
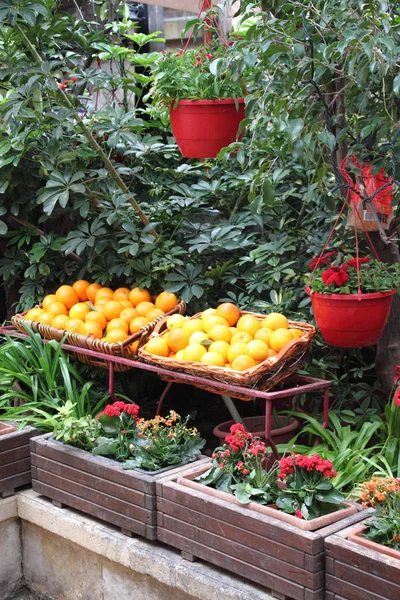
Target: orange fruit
[
  {"x": 192, "y": 325},
  {"x": 91, "y": 329},
  {"x": 80, "y": 287},
  {"x": 138, "y": 295},
  {"x": 103, "y": 292},
  {"x": 175, "y": 321},
  {"x": 228, "y": 311},
  {"x": 249, "y": 324},
  {"x": 243, "y": 362},
  {"x": 34, "y": 313},
  {"x": 101, "y": 302},
  {"x": 221, "y": 348},
  {"x": 279, "y": 338},
  {"x": 48, "y": 300},
  {"x": 193, "y": 352},
  {"x": 213, "y": 358},
  {"x": 211, "y": 320},
  {"x": 126, "y": 303},
  {"x": 257, "y": 349},
  {"x": 158, "y": 346},
  {"x": 178, "y": 355},
  {"x": 197, "y": 337},
  {"x": 133, "y": 347},
  {"x": 127, "y": 314},
  {"x": 275, "y": 321},
  {"x": 95, "y": 316},
  {"x": 221, "y": 333},
  {"x": 263, "y": 334},
  {"x": 144, "y": 307},
  {"x": 208, "y": 312},
  {"x": 116, "y": 335},
  {"x": 121, "y": 293},
  {"x": 59, "y": 321},
  {"x": 296, "y": 333},
  {"x": 112, "y": 309},
  {"x": 166, "y": 301},
  {"x": 236, "y": 349},
  {"x": 137, "y": 323},
  {"x": 154, "y": 313},
  {"x": 73, "y": 324},
  {"x": 46, "y": 318},
  {"x": 241, "y": 336},
  {"x": 57, "y": 308},
  {"x": 67, "y": 295},
  {"x": 117, "y": 324},
  {"x": 271, "y": 353},
  {"x": 178, "y": 339},
  {"x": 79, "y": 311},
  {"x": 92, "y": 290}
]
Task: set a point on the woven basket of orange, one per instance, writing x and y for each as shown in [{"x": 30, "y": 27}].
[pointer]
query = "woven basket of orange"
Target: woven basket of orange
[
  {"x": 113, "y": 322},
  {"x": 230, "y": 346}
]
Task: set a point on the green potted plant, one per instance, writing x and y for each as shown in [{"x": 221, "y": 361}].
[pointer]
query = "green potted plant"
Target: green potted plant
[
  {"x": 351, "y": 298},
  {"x": 204, "y": 97}
]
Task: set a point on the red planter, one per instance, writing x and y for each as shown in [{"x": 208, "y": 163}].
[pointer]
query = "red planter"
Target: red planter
[
  {"x": 202, "y": 127},
  {"x": 349, "y": 322},
  {"x": 256, "y": 426}
]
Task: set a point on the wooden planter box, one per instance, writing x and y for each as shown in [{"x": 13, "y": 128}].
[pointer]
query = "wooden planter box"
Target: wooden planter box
[
  {"x": 97, "y": 486},
  {"x": 354, "y": 572},
  {"x": 272, "y": 553},
  {"x": 15, "y": 461}
]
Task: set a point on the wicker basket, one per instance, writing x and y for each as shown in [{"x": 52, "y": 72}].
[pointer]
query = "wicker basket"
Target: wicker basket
[
  {"x": 264, "y": 376},
  {"x": 122, "y": 349}
]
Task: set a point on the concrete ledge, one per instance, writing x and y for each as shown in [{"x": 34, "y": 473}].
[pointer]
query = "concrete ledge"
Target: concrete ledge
[
  {"x": 8, "y": 508},
  {"x": 146, "y": 569},
  {"x": 10, "y": 548}
]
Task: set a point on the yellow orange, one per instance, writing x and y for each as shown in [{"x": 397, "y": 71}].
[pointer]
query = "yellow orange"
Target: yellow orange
[
  {"x": 221, "y": 347},
  {"x": 137, "y": 323},
  {"x": 101, "y": 302},
  {"x": 213, "y": 358},
  {"x": 91, "y": 329},
  {"x": 127, "y": 314},
  {"x": 275, "y": 321},
  {"x": 166, "y": 301},
  {"x": 175, "y": 321},
  {"x": 296, "y": 333},
  {"x": 79, "y": 311},
  {"x": 67, "y": 295},
  {"x": 212, "y": 320},
  {"x": 192, "y": 325},
  {"x": 92, "y": 290},
  {"x": 117, "y": 323},
  {"x": 34, "y": 313},
  {"x": 57, "y": 308},
  {"x": 208, "y": 312},
  {"x": 271, "y": 353},
  {"x": 133, "y": 347},
  {"x": 121, "y": 294},
  {"x": 138, "y": 295},
  {"x": 104, "y": 292},
  {"x": 228, "y": 311},
  {"x": 143, "y": 308},
  {"x": 263, "y": 334},
  {"x": 220, "y": 333},
  {"x": 279, "y": 338},
  {"x": 235, "y": 350},
  {"x": 179, "y": 355},
  {"x": 73, "y": 324},
  {"x": 178, "y": 339},
  {"x": 157, "y": 346},
  {"x": 257, "y": 349},
  {"x": 241, "y": 336},
  {"x": 126, "y": 303},
  {"x": 243, "y": 362},
  {"x": 193, "y": 352},
  {"x": 59, "y": 321},
  {"x": 154, "y": 313},
  {"x": 48, "y": 300},
  {"x": 112, "y": 309},
  {"x": 94, "y": 316},
  {"x": 80, "y": 288},
  {"x": 249, "y": 324},
  {"x": 46, "y": 318},
  {"x": 116, "y": 335},
  {"x": 197, "y": 337}
]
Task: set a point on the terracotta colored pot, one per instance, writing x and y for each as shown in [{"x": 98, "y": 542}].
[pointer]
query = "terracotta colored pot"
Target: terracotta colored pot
[
  {"x": 256, "y": 426},
  {"x": 202, "y": 127},
  {"x": 6, "y": 428},
  {"x": 347, "y": 321},
  {"x": 271, "y": 510},
  {"x": 357, "y": 537}
]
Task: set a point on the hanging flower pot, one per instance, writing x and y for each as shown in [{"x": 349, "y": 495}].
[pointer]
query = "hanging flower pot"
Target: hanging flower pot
[{"x": 202, "y": 127}]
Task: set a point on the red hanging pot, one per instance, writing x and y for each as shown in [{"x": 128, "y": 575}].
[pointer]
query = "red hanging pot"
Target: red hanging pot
[
  {"x": 202, "y": 127},
  {"x": 350, "y": 321}
]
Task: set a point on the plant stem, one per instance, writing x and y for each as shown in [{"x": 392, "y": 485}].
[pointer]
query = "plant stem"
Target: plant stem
[{"x": 100, "y": 152}]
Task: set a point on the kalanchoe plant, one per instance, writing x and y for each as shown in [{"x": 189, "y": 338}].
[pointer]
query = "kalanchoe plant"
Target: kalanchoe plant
[
  {"x": 384, "y": 528},
  {"x": 116, "y": 421},
  {"x": 374, "y": 492},
  {"x": 196, "y": 74},
  {"x": 336, "y": 276},
  {"x": 308, "y": 492},
  {"x": 80, "y": 432},
  {"x": 238, "y": 468}
]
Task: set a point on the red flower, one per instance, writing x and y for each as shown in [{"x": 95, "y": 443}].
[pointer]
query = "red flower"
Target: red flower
[
  {"x": 357, "y": 262},
  {"x": 210, "y": 56},
  {"x": 298, "y": 514},
  {"x": 335, "y": 275},
  {"x": 316, "y": 262},
  {"x": 396, "y": 397}
]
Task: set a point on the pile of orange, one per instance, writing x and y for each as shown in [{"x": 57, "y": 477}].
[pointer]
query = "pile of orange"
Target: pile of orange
[
  {"x": 221, "y": 337},
  {"x": 94, "y": 310}
]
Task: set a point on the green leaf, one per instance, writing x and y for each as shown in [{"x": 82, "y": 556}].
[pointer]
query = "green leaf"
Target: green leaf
[
  {"x": 268, "y": 193},
  {"x": 396, "y": 85}
]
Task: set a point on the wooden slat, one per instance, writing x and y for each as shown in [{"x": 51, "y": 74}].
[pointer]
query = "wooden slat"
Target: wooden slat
[
  {"x": 15, "y": 481},
  {"x": 14, "y": 454},
  {"x": 225, "y": 561},
  {"x": 105, "y": 514},
  {"x": 94, "y": 482},
  {"x": 14, "y": 468},
  {"x": 371, "y": 584},
  {"x": 352, "y": 592},
  {"x": 17, "y": 438}
]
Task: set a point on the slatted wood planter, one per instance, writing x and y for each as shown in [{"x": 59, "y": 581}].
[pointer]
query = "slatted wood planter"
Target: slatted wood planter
[
  {"x": 15, "y": 461},
  {"x": 97, "y": 486},
  {"x": 354, "y": 572},
  {"x": 286, "y": 560}
]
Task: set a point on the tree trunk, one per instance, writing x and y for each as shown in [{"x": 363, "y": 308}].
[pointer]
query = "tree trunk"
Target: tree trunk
[{"x": 388, "y": 350}]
